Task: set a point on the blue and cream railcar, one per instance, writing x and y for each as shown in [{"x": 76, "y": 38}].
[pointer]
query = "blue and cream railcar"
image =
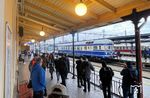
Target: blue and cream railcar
[{"x": 103, "y": 48}]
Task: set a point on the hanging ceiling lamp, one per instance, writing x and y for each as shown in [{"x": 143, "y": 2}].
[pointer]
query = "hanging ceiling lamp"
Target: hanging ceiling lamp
[
  {"x": 32, "y": 40},
  {"x": 81, "y": 9},
  {"x": 42, "y": 33},
  {"x": 25, "y": 44}
]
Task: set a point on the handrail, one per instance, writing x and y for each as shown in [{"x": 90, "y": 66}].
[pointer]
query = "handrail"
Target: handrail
[{"x": 116, "y": 85}]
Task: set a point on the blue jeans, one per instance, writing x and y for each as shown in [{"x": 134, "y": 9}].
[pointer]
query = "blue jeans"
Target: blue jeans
[{"x": 127, "y": 93}]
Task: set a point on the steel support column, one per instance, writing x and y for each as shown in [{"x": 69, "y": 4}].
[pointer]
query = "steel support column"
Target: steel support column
[
  {"x": 77, "y": 37},
  {"x": 54, "y": 44},
  {"x": 138, "y": 58},
  {"x": 34, "y": 47},
  {"x": 44, "y": 46},
  {"x": 135, "y": 18},
  {"x": 39, "y": 48},
  {"x": 73, "y": 55}
]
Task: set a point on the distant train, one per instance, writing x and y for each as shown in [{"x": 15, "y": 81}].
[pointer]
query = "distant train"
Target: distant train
[
  {"x": 103, "y": 48},
  {"x": 130, "y": 51}
]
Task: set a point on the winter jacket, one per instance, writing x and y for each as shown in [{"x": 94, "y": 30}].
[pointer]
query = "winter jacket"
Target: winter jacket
[
  {"x": 106, "y": 74},
  {"x": 79, "y": 67},
  {"x": 38, "y": 78},
  {"x": 87, "y": 67}
]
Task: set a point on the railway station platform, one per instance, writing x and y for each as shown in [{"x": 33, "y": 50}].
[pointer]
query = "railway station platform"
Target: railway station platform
[
  {"x": 72, "y": 89},
  {"x": 27, "y": 23}
]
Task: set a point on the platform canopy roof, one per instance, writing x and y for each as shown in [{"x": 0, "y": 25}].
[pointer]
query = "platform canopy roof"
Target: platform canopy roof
[{"x": 58, "y": 17}]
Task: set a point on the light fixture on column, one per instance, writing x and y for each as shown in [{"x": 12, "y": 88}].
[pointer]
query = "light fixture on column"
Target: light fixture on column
[
  {"x": 32, "y": 40},
  {"x": 81, "y": 9},
  {"x": 42, "y": 33}
]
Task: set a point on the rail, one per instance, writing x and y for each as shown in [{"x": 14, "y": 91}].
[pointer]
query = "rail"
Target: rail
[{"x": 95, "y": 80}]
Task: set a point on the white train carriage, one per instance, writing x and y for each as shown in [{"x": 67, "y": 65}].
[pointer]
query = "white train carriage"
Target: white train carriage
[{"x": 102, "y": 48}]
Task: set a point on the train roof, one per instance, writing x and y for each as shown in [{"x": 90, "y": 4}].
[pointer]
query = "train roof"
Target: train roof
[{"x": 90, "y": 42}]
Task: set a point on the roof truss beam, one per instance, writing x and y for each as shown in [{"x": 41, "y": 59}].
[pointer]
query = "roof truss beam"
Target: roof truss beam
[
  {"x": 110, "y": 17},
  {"x": 60, "y": 19},
  {"x": 40, "y": 23},
  {"x": 47, "y": 20},
  {"x": 107, "y": 5},
  {"x": 49, "y": 4}
]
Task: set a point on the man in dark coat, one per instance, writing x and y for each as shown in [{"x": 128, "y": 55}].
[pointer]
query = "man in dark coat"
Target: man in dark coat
[
  {"x": 106, "y": 74},
  {"x": 56, "y": 64},
  {"x": 68, "y": 64},
  {"x": 63, "y": 70},
  {"x": 87, "y": 67},
  {"x": 79, "y": 72},
  {"x": 128, "y": 79}
]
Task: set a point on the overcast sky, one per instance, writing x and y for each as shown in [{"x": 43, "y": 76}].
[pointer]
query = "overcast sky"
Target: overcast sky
[{"x": 118, "y": 29}]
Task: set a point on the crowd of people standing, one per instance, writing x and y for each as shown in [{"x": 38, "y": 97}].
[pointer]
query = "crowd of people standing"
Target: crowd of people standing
[{"x": 61, "y": 65}]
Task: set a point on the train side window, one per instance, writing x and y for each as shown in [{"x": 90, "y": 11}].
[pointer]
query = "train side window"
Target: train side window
[
  {"x": 85, "y": 47},
  {"x": 80, "y": 47},
  {"x": 109, "y": 47},
  {"x": 68, "y": 48},
  {"x": 106, "y": 47},
  {"x": 100, "y": 47},
  {"x": 120, "y": 48},
  {"x": 91, "y": 47},
  {"x": 126, "y": 47},
  {"x": 75, "y": 48},
  {"x": 94, "y": 47}
]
